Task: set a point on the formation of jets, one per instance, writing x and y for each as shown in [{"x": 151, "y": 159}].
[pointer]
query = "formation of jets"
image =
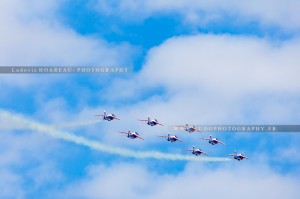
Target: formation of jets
[{"x": 174, "y": 138}]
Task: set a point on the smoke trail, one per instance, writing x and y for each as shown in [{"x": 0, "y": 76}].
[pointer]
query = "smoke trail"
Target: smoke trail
[
  {"x": 59, "y": 125},
  {"x": 25, "y": 123},
  {"x": 78, "y": 123}
]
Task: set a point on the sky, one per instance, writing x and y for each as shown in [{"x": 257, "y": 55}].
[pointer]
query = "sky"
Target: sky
[{"x": 197, "y": 62}]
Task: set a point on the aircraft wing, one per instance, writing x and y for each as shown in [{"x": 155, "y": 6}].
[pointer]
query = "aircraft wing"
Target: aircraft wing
[
  {"x": 124, "y": 132},
  {"x": 159, "y": 123},
  {"x": 195, "y": 129},
  {"x": 99, "y": 115},
  {"x": 187, "y": 149},
  {"x": 163, "y": 136},
  {"x": 140, "y": 137},
  {"x": 221, "y": 142},
  {"x": 231, "y": 155},
  {"x": 179, "y": 140},
  {"x": 205, "y": 138},
  {"x": 115, "y": 118},
  {"x": 143, "y": 120},
  {"x": 246, "y": 158}
]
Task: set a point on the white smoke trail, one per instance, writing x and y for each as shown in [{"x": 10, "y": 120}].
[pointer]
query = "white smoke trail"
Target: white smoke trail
[
  {"x": 59, "y": 125},
  {"x": 78, "y": 123},
  {"x": 21, "y": 122}
]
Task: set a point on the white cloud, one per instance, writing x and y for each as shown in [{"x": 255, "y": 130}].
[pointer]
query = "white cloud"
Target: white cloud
[
  {"x": 11, "y": 185},
  {"x": 215, "y": 79},
  {"x": 283, "y": 14},
  {"x": 225, "y": 63},
  {"x": 25, "y": 163},
  {"x": 32, "y": 34},
  {"x": 135, "y": 181},
  {"x": 288, "y": 153},
  {"x": 267, "y": 13},
  {"x": 46, "y": 173}
]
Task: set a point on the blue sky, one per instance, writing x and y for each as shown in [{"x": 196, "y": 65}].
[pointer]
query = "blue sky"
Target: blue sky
[{"x": 202, "y": 62}]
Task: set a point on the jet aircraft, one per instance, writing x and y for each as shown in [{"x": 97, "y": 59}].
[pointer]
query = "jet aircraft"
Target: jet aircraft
[
  {"x": 108, "y": 117},
  {"x": 132, "y": 135}
]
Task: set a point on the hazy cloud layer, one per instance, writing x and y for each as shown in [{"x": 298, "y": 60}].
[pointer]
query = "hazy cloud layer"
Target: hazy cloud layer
[
  {"x": 134, "y": 181},
  {"x": 284, "y": 14}
]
